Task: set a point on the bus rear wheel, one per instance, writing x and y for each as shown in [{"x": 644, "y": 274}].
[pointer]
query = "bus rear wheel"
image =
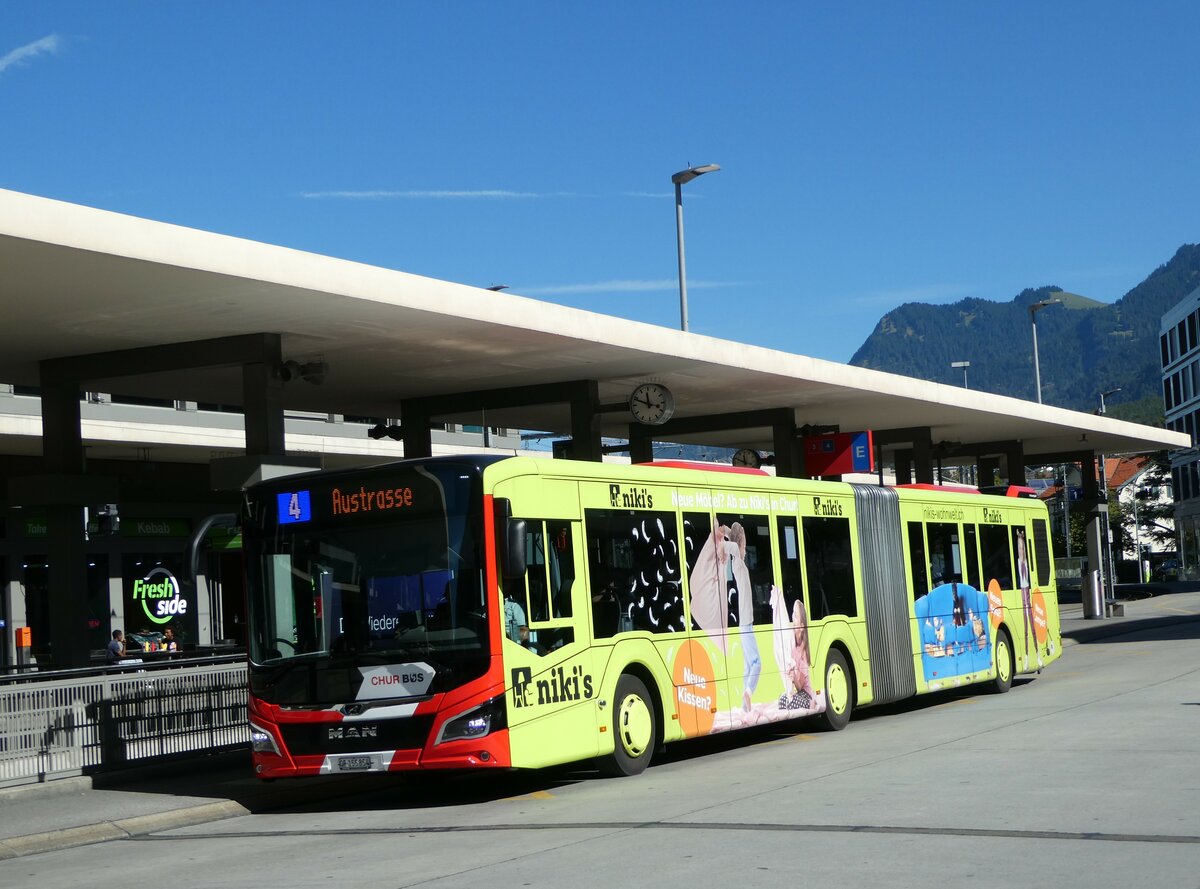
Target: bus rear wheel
[
  {"x": 839, "y": 693},
  {"x": 635, "y": 729},
  {"x": 1004, "y": 663}
]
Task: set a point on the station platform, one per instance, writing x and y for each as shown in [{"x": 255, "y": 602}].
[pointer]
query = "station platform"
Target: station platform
[{"x": 79, "y": 811}]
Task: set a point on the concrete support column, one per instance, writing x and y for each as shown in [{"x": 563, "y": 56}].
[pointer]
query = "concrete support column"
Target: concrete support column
[
  {"x": 923, "y": 457},
  {"x": 641, "y": 445},
  {"x": 262, "y": 395},
  {"x": 585, "y": 421},
  {"x": 66, "y": 536},
  {"x": 1014, "y": 459},
  {"x": 414, "y": 430},
  {"x": 789, "y": 456}
]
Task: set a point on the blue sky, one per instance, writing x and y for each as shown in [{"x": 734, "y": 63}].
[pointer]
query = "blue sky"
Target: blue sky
[{"x": 872, "y": 154}]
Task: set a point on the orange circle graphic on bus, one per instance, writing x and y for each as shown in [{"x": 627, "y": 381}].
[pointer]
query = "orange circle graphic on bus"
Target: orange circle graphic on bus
[
  {"x": 995, "y": 603},
  {"x": 695, "y": 689},
  {"x": 1040, "y": 629}
]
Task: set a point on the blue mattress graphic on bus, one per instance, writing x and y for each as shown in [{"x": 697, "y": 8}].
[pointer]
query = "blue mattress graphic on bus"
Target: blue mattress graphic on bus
[{"x": 952, "y": 620}]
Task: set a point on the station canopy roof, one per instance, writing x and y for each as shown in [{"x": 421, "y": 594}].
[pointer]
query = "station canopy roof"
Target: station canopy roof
[{"x": 78, "y": 281}]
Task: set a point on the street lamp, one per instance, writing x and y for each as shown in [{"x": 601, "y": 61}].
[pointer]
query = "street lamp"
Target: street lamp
[
  {"x": 964, "y": 365},
  {"x": 680, "y": 179},
  {"x": 1112, "y": 579},
  {"x": 1104, "y": 395},
  {"x": 1037, "y": 371}
]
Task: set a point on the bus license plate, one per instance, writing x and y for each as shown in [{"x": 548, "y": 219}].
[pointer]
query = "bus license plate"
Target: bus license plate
[{"x": 356, "y": 763}]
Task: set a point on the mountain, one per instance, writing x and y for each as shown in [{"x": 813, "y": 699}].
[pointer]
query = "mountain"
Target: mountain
[{"x": 1085, "y": 347}]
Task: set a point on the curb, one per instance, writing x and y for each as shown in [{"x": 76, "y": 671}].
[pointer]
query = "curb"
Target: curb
[
  {"x": 1108, "y": 630},
  {"x": 69, "y": 838},
  {"x": 171, "y": 819}
]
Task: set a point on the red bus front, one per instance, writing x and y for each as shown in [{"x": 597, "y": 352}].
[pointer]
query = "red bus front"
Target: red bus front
[{"x": 372, "y": 647}]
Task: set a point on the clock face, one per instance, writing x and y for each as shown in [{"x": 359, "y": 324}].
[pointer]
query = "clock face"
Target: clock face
[
  {"x": 747, "y": 457},
  {"x": 652, "y": 404}
]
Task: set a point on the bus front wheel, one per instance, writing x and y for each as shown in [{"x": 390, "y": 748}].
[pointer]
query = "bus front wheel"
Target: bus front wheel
[
  {"x": 635, "y": 730},
  {"x": 839, "y": 693}
]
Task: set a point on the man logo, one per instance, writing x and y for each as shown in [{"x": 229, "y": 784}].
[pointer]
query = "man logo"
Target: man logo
[{"x": 346, "y": 732}]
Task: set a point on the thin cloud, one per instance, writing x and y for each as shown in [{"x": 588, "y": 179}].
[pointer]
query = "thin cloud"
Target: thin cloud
[
  {"x": 484, "y": 194},
  {"x": 379, "y": 195},
  {"x": 622, "y": 286},
  {"x": 22, "y": 54}
]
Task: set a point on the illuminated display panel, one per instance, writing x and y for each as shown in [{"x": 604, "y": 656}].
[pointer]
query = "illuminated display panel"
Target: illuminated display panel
[{"x": 294, "y": 506}]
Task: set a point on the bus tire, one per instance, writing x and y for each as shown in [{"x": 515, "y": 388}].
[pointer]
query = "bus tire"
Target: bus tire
[
  {"x": 635, "y": 729},
  {"x": 1003, "y": 662},
  {"x": 839, "y": 693}
]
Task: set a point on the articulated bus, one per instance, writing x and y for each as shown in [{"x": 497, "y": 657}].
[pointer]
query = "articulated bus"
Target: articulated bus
[{"x": 509, "y": 612}]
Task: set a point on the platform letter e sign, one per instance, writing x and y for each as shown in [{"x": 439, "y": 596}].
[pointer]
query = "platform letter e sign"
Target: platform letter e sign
[{"x": 521, "y": 677}]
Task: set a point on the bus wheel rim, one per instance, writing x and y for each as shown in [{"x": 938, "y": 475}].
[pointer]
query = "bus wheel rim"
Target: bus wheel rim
[
  {"x": 839, "y": 688},
  {"x": 1003, "y": 662},
  {"x": 636, "y": 725}
]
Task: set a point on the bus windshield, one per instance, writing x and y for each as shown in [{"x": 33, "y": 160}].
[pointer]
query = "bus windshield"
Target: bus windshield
[{"x": 368, "y": 568}]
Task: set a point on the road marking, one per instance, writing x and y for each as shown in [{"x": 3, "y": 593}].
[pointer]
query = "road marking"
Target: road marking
[
  {"x": 537, "y": 794},
  {"x": 1178, "y": 839}
]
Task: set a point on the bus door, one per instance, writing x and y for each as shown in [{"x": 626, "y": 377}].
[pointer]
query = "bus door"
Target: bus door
[
  {"x": 1029, "y": 624},
  {"x": 549, "y": 664}
]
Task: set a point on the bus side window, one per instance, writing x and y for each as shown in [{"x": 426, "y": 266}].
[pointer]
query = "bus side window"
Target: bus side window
[
  {"x": 1021, "y": 558},
  {"x": 789, "y": 562},
  {"x": 751, "y": 535},
  {"x": 701, "y": 569},
  {"x": 549, "y": 577},
  {"x": 633, "y": 565},
  {"x": 945, "y": 557},
  {"x": 917, "y": 563},
  {"x": 971, "y": 556},
  {"x": 561, "y": 565},
  {"x": 829, "y": 566},
  {"x": 997, "y": 555},
  {"x": 1041, "y": 552},
  {"x": 535, "y": 572}
]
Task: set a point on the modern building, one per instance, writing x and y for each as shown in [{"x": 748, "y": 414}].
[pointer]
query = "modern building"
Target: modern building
[{"x": 1179, "y": 339}]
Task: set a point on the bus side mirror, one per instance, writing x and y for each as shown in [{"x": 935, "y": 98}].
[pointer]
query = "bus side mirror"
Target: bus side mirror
[
  {"x": 511, "y": 533},
  {"x": 514, "y": 553}
]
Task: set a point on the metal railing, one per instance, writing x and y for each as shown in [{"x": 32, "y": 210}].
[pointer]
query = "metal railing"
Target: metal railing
[{"x": 66, "y": 723}]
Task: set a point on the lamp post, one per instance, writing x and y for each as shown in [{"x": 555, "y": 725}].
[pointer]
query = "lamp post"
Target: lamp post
[
  {"x": 1112, "y": 568},
  {"x": 1037, "y": 371},
  {"x": 964, "y": 365},
  {"x": 1104, "y": 395},
  {"x": 680, "y": 179}
]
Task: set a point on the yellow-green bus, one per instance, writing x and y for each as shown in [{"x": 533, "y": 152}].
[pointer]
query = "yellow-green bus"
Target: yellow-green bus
[{"x": 511, "y": 612}]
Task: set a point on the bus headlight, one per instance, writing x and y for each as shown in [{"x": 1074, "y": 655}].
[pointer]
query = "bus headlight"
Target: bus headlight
[
  {"x": 262, "y": 741},
  {"x": 488, "y": 717}
]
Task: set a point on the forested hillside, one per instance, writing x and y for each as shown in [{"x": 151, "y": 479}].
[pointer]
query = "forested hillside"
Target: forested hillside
[{"x": 1084, "y": 347}]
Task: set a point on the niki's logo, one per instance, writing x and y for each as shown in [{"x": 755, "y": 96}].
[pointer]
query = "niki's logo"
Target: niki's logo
[{"x": 557, "y": 686}]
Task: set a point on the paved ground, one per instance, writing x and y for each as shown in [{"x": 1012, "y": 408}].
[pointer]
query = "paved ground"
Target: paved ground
[{"x": 79, "y": 811}]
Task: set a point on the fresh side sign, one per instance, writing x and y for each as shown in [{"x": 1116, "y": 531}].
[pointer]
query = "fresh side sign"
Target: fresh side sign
[{"x": 160, "y": 596}]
